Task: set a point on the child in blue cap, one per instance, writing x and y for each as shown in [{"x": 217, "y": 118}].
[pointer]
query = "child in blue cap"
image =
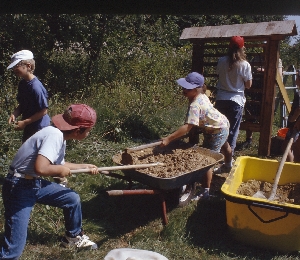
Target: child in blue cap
[{"x": 202, "y": 114}]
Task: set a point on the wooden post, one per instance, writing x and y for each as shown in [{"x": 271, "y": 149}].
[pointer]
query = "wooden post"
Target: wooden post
[
  {"x": 197, "y": 65},
  {"x": 268, "y": 98},
  {"x": 197, "y": 57}
]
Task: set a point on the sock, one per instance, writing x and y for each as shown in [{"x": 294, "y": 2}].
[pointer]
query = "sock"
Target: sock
[
  {"x": 229, "y": 164},
  {"x": 206, "y": 190}
]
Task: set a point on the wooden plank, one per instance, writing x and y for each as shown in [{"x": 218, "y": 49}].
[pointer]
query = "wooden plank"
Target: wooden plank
[
  {"x": 278, "y": 28},
  {"x": 268, "y": 98},
  {"x": 210, "y": 75},
  {"x": 250, "y": 126},
  {"x": 214, "y": 64},
  {"x": 283, "y": 92},
  {"x": 253, "y": 90}
]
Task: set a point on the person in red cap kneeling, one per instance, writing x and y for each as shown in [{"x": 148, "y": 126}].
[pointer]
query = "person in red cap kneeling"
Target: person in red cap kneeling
[
  {"x": 234, "y": 76},
  {"x": 42, "y": 155}
]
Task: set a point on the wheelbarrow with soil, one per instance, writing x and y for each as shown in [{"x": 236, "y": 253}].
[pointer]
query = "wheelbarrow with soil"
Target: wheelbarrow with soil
[{"x": 177, "y": 178}]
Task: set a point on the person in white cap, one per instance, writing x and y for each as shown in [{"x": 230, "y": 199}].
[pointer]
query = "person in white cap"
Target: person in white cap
[
  {"x": 42, "y": 155},
  {"x": 32, "y": 96},
  {"x": 202, "y": 114}
]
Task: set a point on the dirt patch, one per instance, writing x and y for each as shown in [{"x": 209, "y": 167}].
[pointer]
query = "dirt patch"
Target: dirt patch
[
  {"x": 177, "y": 160},
  {"x": 289, "y": 193}
]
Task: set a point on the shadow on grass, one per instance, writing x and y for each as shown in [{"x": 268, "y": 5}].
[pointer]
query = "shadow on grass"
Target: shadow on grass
[
  {"x": 207, "y": 229},
  {"x": 119, "y": 215},
  {"x": 134, "y": 126}
]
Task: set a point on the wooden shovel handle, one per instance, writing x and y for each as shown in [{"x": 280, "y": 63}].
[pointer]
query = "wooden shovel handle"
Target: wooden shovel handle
[
  {"x": 280, "y": 167},
  {"x": 123, "y": 167},
  {"x": 144, "y": 146}
]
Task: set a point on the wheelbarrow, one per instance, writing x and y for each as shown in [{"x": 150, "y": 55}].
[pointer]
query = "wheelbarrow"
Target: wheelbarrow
[{"x": 181, "y": 187}]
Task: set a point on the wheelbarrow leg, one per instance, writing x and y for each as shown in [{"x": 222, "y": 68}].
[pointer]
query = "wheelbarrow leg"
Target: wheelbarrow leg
[
  {"x": 164, "y": 208},
  {"x": 144, "y": 192}
]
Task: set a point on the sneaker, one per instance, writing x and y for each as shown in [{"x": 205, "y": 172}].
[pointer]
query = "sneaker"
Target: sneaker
[
  {"x": 201, "y": 196},
  {"x": 247, "y": 144},
  {"x": 222, "y": 169},
  {"x": 81, "y": 241}
]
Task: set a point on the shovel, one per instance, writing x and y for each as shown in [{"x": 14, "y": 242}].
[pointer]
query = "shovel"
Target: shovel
[
  {"x": 105, "y": 170},
  {"x": 122, "y": 167},
  {"x": 127, "y": 158},
  {"x": 260, "y": 194}
]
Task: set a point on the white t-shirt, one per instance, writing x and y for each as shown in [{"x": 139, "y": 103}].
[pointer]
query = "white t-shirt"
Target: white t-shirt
[
  {"x": 231, "y": 84},
  {"x": 48, "y": 142}
]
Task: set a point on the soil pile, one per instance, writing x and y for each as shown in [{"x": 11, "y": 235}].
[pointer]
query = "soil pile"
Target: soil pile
[
  {"x": 288, "y": 193},
  {"x": 179, "y": 160}
]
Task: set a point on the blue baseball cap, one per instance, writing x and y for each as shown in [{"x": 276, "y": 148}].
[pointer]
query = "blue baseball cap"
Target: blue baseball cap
[{"x": 191, "y": 81}]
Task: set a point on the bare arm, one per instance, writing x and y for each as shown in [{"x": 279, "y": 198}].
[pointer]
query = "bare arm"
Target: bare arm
[
  {"x": 38, "y": 115},
  {"x": 248, "y": 84},
  {"x": 43, "y": 167},
  {"x": 77, "y": 166},
  {"x": 14, "y": 115},
  {"x": 181, "y": 131}
]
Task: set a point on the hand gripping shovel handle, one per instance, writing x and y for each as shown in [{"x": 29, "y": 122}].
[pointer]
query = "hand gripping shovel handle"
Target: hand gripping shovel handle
[{"x": 115, "y": 168}]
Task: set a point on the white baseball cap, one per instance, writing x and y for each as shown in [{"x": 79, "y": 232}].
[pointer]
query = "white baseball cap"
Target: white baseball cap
[{"x": 19, "y": 56}]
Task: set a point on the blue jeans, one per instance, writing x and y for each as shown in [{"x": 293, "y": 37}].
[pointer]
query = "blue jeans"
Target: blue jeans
[
  {"x": 215, "y": 142},
  {"x": 20, "y": 195},
  {"x": 234, "y": 112}
]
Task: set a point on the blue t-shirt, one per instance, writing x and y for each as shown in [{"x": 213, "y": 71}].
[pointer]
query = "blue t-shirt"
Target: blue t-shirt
[{"x": 32, "y": 98}]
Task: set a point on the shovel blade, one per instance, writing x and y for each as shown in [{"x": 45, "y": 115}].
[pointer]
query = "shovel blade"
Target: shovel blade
[
  {"x": 126, "y": 158},
  {"x": 259, "y": 194}
]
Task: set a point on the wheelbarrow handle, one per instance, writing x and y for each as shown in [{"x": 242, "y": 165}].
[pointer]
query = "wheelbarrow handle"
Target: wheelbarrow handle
[{"x": 122, "y": 167}]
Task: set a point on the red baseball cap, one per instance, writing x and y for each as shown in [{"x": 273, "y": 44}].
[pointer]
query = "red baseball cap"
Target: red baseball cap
[
  {"x": 236, "y": 41},
  {"x": 76, "y": 116}
]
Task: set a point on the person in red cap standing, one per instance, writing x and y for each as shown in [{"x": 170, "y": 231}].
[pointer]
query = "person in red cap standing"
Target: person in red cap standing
[
  {"x": 234, "y": 76},
  {"x": 32, "y": 97},
  {"x": 42, "y": 155}
]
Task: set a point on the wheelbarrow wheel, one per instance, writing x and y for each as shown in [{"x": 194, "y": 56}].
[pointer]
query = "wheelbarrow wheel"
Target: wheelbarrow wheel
[{"x": 185, "y": 194}]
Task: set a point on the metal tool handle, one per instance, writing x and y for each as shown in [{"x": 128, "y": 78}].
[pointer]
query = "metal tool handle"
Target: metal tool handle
[{"x": 123, "y": 167}]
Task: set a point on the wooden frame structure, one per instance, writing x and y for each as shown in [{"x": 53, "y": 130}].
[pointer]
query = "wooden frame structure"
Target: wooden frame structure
[{"x": 261, "y": 40}]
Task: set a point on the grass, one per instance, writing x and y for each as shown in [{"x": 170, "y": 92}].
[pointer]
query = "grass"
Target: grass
[{"x": 197, "y": 231}]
